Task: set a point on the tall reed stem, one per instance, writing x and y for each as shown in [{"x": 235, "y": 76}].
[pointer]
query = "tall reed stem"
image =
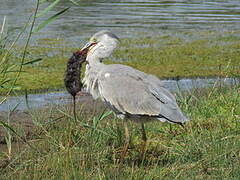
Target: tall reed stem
[{"x": 25, "y": 48}]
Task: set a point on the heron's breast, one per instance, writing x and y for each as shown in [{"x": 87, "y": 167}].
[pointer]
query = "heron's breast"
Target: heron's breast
[{"x": 90, "y": 81}]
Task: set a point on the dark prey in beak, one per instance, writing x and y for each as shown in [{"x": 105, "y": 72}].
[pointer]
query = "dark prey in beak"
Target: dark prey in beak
[{"x": 72, "y": 79}]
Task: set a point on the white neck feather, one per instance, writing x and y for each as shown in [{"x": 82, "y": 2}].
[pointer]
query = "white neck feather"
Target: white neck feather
[{"x": 90, "y": 79}]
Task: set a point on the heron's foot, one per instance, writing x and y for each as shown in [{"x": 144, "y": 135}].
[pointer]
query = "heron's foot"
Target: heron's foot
[
  {"x": 143, "y": 149},
  {"x": 144, "y": 142}
]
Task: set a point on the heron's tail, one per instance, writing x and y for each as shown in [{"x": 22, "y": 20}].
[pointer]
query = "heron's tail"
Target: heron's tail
[{"x": 179, "y": 121}]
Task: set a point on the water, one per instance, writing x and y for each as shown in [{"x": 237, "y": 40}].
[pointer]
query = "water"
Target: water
[
  {"x": 62, "y": 97},
  {"x": 127, "y": 18}
]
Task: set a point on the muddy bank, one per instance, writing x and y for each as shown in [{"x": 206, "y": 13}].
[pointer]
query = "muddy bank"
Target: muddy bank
[
  {"x": 35, "y": 104},
  {"x": 24, "y": 121}
]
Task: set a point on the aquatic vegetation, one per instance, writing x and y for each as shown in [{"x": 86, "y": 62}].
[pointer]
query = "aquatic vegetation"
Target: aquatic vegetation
[{"x": 166, "y": 57}]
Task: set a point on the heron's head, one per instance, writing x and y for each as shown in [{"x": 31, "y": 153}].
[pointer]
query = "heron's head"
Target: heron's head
[{"x": 101, "y": 44}]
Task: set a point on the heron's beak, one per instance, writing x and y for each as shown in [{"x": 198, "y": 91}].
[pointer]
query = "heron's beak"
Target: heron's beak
[
  {"x": 88, "y": 46},
  {"x": 84, "y": 51}
]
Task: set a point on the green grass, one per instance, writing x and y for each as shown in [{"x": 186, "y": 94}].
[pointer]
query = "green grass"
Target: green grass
[
  {"x": 90, "y": 147},
  {"x": 55, "y": 146},
  {"x": 164, "y": 56}
]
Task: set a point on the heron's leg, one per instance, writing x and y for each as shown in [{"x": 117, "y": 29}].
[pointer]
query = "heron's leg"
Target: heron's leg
[
  {"x": 127, "y": 140},
  {"x": 144, "y": 138},
  {"x": 170, "y": 128}
]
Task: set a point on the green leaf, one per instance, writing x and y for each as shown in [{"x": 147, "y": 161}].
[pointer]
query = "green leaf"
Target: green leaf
[
  {"x": 6, "y": 81},
  {"x": 11, "y": 87},
  {"x": 5, "y": 125},
  {"x": 15, "y": 107},
  {"x": 105, "y": 115},
  {"x": 49, "y": 20},
  {"x": 48, "y": 8},
  {"x": 33, "y": 61},
  {"x": 74, "y": 2}
]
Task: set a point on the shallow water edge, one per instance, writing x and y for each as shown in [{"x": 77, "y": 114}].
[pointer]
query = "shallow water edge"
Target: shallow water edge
[{"x": 42, "y": 100}]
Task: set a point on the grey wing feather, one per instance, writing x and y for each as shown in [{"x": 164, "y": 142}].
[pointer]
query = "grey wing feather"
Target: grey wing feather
[{"x": 134, "y": 92}]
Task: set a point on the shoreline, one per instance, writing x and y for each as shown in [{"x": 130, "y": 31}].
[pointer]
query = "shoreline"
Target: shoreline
[
  {"x": 62, "y": 88},
  {"x": 61, "y": 96},
  {"x": 166, "y": 57}
]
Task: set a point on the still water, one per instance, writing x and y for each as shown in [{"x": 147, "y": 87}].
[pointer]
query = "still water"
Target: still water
[
  {"x": 62, "y": 97},
  {"x": 126, "y": 18}
]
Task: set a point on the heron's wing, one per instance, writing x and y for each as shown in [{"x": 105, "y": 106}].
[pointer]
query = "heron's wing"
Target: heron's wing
[
  {"x": 169, "y": 107},
  {"x": 156, "y": 87},
  {"x": 131, "y": 91}
]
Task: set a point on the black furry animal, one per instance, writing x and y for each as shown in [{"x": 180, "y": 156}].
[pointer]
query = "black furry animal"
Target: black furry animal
[{"x": 72, "y": 79}]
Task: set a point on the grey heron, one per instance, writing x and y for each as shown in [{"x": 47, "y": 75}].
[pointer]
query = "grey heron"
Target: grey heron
[{"x": 130, "y": 93}]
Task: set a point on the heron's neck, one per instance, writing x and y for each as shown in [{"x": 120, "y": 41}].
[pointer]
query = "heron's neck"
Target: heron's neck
[
  {"x": 94, "y": 61},
  {"x": 90, "y": 80}
]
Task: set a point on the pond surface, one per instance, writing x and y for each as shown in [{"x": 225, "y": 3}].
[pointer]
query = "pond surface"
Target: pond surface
[
  {"x": 62, "y": 97},
  {"x": 127, "y": 18}
]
